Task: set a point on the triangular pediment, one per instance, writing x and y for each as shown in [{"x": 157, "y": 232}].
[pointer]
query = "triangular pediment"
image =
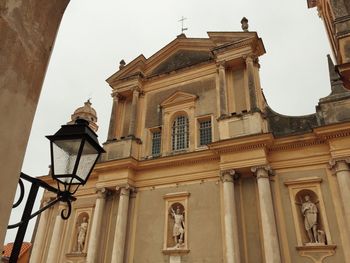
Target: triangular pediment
[
  {"x": 183, "y": 53},
  {"x": 135, "y": 67},
  {"x": 181, "y": 59},
  {"x": 178, "y": 98}
]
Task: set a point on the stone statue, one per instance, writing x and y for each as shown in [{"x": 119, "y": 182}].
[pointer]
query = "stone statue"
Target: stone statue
[
  {"x": 309, "y": 211},
  {"x": 82, "y": 229},
  {"x": 178, "y": 228}
]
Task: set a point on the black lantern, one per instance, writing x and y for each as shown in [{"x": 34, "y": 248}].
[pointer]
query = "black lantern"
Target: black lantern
[{"x": 74, "y": 152}]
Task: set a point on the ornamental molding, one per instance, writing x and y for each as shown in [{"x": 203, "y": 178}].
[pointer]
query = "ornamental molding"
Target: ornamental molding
[{"x": 294, "y": 145}]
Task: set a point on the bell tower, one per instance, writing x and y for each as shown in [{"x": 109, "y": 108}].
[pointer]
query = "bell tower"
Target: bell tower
[{"x": 336, "y": 17}]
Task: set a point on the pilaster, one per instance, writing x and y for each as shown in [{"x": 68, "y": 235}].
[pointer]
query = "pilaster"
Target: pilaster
[
  {"x": 341, "y": 170},
  {"x": 222, "y": 89},
  {"x": 96, "y": 225},
  {"x": 133, "y": 114},
  {"x": 268, "y": 221},
  {"x": 113, "y": 121},
  {"x": 120, "y": 229},
  {"x": 249, "y": 60},
  {"x": 232, "y": 253}
]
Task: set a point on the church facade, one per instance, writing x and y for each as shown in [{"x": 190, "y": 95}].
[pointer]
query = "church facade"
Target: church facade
[{"x": 198, "y": 167}]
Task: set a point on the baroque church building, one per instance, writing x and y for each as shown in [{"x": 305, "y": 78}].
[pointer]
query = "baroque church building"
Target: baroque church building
[{"x": 198, "y": 167}]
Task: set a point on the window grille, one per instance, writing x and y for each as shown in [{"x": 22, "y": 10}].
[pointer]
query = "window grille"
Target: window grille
[
  {"x": 204, "y": 132},
  {"x": 180, "y": 134},
  {"x": 156, "y": 142}
]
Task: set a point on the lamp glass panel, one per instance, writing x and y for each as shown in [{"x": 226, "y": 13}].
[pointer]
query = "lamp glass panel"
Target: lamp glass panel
[
  {"x": 87, "y": 160},
  {"x": 65, "y": 156}
]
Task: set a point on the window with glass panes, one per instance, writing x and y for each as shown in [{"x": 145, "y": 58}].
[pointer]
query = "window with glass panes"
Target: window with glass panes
[
  {"x": 180, "y": 133},
  {"x": 204, "y": 132},
  {"x": 156, "y": 139}
]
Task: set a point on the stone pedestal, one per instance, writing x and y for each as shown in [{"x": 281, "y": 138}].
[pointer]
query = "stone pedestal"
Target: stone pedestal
[
  {"x": 96, "y": 226},
  {"x": 120, "y": 229},
  {"x": 232, "y": 254},
  {"x": 268, "y": 222}
]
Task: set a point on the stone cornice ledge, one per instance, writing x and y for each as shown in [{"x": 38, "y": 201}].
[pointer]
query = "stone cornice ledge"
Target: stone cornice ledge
[
  {"x": 242, "y": 143},
  {"x": 173, "y": 160}
]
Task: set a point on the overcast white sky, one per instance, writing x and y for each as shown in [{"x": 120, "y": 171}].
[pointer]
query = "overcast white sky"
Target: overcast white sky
[{"x": 95, "y": 35}]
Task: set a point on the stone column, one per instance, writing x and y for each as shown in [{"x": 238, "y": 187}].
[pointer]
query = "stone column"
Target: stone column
[
  {"x": 342, "y": 172},
  {"x": 120, "y": 229},
  {"x": 133, "y": 114},
  {"x": 230, "y": 217},
  {"x": 27, "y": 40},
  {"x": 222, "y": 89},
  {"x": 38, "y": 245},
  {"x": 268, "y": 222},
  {"x": 113, "y": 121},
  {"x": 249, "y": 60},
  {"x": 96, "y": 226},
  {"x": 54, "y": 248}
]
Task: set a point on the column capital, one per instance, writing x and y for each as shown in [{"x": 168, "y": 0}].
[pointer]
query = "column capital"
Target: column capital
[
  {"x": 229, "y": 175},
  {"x": 116, "y": 96},
  {"x": 262, "y": 171},
  {"x": 125, "y": 189},
  {"x": 135, "y": 89},
  {"x": 101, "y": 192},
  {"x": 221, "y": 64},
  {"x": 251, "y": 58},
  {"x": 339, "y": 164}
]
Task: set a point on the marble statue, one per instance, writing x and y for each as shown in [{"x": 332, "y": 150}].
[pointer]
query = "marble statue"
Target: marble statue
[
  {"x": 309, "y": 211},
  {"x": 82, "y": 229},
  {"x": 178, "y": 228}
]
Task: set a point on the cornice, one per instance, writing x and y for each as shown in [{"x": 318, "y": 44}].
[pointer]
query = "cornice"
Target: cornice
[
  {"x": 333, "y": 131},
  {"x": 173, "y": 160},
  {"x": 249, "y": 142}
]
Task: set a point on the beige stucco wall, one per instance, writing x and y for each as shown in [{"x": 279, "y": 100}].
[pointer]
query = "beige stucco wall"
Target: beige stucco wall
[
  {"x": 204, "y": 224},
  {"x": 25, "y": 47}
]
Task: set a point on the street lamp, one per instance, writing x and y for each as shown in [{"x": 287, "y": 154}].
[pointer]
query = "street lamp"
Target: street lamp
[{"x": 74, "y": 152}]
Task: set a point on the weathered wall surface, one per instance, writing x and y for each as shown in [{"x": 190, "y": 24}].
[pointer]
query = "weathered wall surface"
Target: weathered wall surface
[
  {"x": 28, "y": 29},
  {"x": 205, "y": 242},
  {"x": 205, "y": 104}
]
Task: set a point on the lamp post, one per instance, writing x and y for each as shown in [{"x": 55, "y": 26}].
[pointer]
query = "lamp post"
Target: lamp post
[{"x": 74, "y": 152}]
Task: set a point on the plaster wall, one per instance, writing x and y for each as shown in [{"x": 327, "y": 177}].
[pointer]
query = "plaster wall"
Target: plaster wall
[{"x": 204, "y": 223}]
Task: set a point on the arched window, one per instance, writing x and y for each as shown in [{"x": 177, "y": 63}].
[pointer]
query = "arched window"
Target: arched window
[{"x": 180, "y": 133}]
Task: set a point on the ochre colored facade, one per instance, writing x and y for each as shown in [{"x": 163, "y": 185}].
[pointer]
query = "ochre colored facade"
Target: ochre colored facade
[{"x": 198, "y": 168}]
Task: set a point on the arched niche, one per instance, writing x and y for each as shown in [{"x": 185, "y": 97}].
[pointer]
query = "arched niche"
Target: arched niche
[
  {"x": 80, "y": 233},
  {"x": 311, "y": 223}
]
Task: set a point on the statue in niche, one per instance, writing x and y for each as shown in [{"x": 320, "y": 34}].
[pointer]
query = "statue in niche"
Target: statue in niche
[
  {"x": 81, "y": 234},
  {"x": 178, "y": 227},
  {"x": 310, "y": 211}
]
